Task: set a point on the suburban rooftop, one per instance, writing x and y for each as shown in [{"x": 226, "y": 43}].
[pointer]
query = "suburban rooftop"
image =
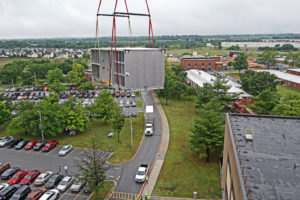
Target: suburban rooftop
[{"x": 269, "y": 158}]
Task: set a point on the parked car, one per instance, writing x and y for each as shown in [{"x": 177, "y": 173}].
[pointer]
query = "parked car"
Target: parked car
[
  {"x": 133, "y": 104},
  {"x": 7, "y": 174},
  {"x": 65, "y": 183},
  {"x": 30, "y": 177},
  {"x": 87, "y": 189},
  {"x": 43, "y": 178},
  {"x": 127, "y": 114},
  {"x": 17, "y": 177},
  {"x": 4, "y": 167},
  {"x": 133, "y": 94},
  {"x": 77, "y": 185},
  {"x": 53, "y": 181},
  {"x": 122, "y": 94},
  {"x": 50, "y": 145},
  {"x": 36, "y": 193},
  {"x": 50, "y": 195},
  {"x": 133, "y": 114},
  {"x": 21, "y": 144},
  {"x": 9, "y": 191},
  {"x": 14, "y": 142},
  {"x": 3, "y": 186},
  {"x": 5, "y": 140},
  {"x": 128, "y": 94},
  {"x": 31, "y": 144},
  {"x": 127, "y": 104},
  {"x": 117, "y": 94},
  {"x": 65, "y": 150},
  {"x": 121, "y": 103},
  {"x": 21, "y": 193},
  {"x": 40, "y": 145}
]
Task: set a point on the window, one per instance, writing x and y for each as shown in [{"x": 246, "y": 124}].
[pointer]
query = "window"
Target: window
[
  {"x": 248, "y": 98},
  {"x": 122, "y": 80},
  {"x": 189, "y": 66},
  {"x": 196, "y": 66}
]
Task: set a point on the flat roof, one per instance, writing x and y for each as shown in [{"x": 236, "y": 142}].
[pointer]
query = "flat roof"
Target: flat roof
[
  {"x": 200, "y": 77},
  {"x": 129, "y": 49},
  {"x": 269, "y": 166},
  {"x": 283, "y": 75},
  {"x": 198, "y": 58},
  {"x": 295, "y": 70}
]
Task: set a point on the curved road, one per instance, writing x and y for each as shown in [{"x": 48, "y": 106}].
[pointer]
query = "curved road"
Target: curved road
[{"x": 146, "y": 155}]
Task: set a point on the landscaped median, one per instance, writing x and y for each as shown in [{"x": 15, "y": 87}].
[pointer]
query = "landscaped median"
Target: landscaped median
[
  {"x": 122, "y": 150},
  {"x": 183, "y": 172}
]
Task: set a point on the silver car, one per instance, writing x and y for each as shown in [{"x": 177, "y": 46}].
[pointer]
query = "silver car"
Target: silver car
[
  {"x": 77, "y": 185},
  {"x": 65, "y": 150},
  {"x": 65, "y": 183},
  {"x": 50, "y": 195},
  {"x": 43, "y": 178},
  {"x": 5, "y": 140},
  {"x": 3, "y": 186}
]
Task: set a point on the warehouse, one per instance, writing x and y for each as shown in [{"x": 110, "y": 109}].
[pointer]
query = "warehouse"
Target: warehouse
[
  {"x": 261, "y": 158},
  {"x": 135, "y": 69}
]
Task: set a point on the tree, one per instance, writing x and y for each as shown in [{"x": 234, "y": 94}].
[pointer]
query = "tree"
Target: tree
[
  {"x": 55, "y": 75},
  {"x": 266, "y": 102},
  {"x": 10, "y": 72},
  {"x": 86, "y": 86},
  {"x": 240, "y": 62},
  {"x": 28, "y": 78},
  {"x": 289, "y": 106},
  {"x": 91, "y": 166},
  {"x": 208, "y": 130},
  {"x": 178, "y": 88},
  {"x": 190, "y": 91},
  {"x": 77, "y": 75},
  {"x": 179, "y": 71},
  {"x": 268, "y": 57},
  {"x": 104, "y": 106},
  {"x": 255, "y": 83},
  {"x": 118, "y": 122},
  {"x": 57, "y": 87},
  {"x": 66, "y": 66},
  {"x": 86, "y": 56},
  {"x": 4, "y": 113},
  {"x": 292, "y": 59},
  {"x": 234, "y": 48}
]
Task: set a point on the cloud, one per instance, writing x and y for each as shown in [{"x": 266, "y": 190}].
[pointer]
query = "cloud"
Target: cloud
[{"x": 76, "y": 18}]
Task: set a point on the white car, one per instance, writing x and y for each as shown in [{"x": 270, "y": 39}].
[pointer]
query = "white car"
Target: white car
[
  {"x": 65, "y": 150},
  {"x": 127, "y": 104},
  {"x": 77, "y": 185},
  {"x": 50, "y": 195},
  {"x": 43, "y": 178},
  {"x": 65, "y": 183},
  {"x": 3, "y": 186},
  {"x": 5, "y": 140}
]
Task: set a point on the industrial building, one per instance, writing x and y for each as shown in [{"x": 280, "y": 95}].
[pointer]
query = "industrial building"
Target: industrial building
[
  {"x": 197, "y": 78},
  {"x": 294, "y": 71},
  {"x": 286, "y": 79},
  {"x": 261, "y": 158},
  {"x": 202, "y": 63},
  {"x": 135, "y": 69}
]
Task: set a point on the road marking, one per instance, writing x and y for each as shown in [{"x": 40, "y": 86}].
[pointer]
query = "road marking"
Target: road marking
[
  {"x": 124, "y": 195},
  {"x": 118, "y": 178}
]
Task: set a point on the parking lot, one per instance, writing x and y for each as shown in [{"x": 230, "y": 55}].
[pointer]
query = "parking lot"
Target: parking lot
[{"x": 45, "y": 161}]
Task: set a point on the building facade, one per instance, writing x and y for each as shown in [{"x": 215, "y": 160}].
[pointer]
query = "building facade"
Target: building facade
[
  {"x": 135, "y": 68},
  {"x": 294, "y": 71},
  {"x": 202, "y": 63}
]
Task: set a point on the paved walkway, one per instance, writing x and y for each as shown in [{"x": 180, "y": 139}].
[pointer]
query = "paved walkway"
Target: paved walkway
[{"x": 163, "y": 147}]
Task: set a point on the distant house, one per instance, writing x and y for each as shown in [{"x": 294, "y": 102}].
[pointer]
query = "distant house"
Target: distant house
[
  {"x": 202, "y": 63},
  {"x": 32, "y": 55}
]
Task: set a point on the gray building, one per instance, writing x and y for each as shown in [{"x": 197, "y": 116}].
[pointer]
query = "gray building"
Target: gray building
[
  {"x": 261, "y": 158},
  {"x": 138, "y": 68}
]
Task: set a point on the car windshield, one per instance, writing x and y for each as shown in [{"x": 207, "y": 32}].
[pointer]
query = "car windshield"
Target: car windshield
[
  {"x": 52, "y": 180},
  {"x": 16, "y": 176},
  {"x": 64, "y": 183},
  {"x": 48, "y": 145},
  {"x": 39, "y": 178},
  {"x": 29, "y": 143},
  {"x": 77, "y": 182},
  {"x": 27, "y": 177},
  {"x": 17, "y": 195},
  {"x": 140, "y": 173},
  {"x": 65, "y": 148}
]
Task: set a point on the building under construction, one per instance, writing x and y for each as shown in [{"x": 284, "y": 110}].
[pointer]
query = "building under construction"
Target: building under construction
[{"x": 129, "y": 68}]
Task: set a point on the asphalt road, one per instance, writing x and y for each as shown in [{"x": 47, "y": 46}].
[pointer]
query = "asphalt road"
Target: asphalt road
[{"x": 126, "y": 173}]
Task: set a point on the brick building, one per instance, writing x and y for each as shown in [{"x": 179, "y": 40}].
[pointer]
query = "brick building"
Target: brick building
[
  {"x": 261, "y": 158},
  {"x": 294, "y": 71},
  {"x": 202, "y": 63}
]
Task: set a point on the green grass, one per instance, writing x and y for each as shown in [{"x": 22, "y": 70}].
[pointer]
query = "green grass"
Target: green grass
[
  {"x": 122, "y": 151},
  {"x": 200, "y": 51},
  {"x": 139, "y": 104},
  {"x": 284, "y": 91},
  {"x": 104, "y": 190},
  {"x": 4, "y": 61},
  {"x": 235, "y": 75},
  {"x": 183, "y": 172}
]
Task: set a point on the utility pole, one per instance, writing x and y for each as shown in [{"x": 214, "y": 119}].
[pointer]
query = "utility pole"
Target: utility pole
[
  {"x": 12, "y": 80},
  {"x": 131, "y": 129},
  {"x": 35, "y": 77},
  {"x": 40, "y": 125}
]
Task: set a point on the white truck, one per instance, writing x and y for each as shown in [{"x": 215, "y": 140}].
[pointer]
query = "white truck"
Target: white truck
[
  {"x": 149, "y": 120},
  {"x": 141, "y": 174}
]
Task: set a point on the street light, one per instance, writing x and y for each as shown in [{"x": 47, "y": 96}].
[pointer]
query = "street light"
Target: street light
[{"x": 40, "y": 125}]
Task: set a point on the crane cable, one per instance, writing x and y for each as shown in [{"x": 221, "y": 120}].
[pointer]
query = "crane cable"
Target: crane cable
[
  {"x": 129, "y": 24},
  {"x": 97, "y": 42},
  {"x": 150, "y": 26}
]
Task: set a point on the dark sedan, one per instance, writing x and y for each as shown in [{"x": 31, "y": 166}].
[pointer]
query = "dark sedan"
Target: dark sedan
[
  {"x": 7, "y": 174},
  {"x": 21, "y": 144},
  {"x": 14, "y": 142},
  {"x": 40, "y": 145},
  {"x": 53, "y": 181}
]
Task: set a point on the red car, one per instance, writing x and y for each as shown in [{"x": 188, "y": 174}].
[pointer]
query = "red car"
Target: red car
[
  {"x": 17, "y": 177},
  {"x": 36, "y": 193},
  {"x": 117, "y": 94},
  {"x": 30, "y": 177},
  {"x": 31, "y": 144},
  {"x": 50, "y": 145}
]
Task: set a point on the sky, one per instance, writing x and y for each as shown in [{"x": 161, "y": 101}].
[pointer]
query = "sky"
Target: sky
[{"x": 77, "y": 18}]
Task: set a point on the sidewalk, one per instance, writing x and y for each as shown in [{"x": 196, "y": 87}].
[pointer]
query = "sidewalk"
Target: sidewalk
[{"x": 162, "y": 150}]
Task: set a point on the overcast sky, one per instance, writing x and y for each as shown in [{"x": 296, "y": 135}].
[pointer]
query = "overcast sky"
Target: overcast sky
[{"x": 77, "y": 18}]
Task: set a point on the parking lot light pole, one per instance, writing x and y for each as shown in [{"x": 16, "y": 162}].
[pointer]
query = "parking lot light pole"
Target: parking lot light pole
[{"x": 40, "y": 125}]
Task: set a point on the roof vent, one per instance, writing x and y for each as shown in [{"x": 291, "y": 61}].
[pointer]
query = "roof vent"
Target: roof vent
[{"x": 249, "y": 134}]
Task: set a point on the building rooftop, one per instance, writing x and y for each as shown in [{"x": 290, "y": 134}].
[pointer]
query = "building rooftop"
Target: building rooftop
[
  {"x": 269, "y": 165},
  {"x": 295, "y": 70},
  {"x": 129, "y": 49},
  {"x": 283, "y": 75},
  {"x": 187, "y": 57}
]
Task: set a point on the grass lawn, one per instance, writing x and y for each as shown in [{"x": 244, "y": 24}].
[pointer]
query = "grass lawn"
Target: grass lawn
[
  {"x": 104, "y": 190},
  {"x": 200, "y": 51},
  {"x": 4, "y": 61},
  {"x": 139, "y": 104},
  {"x": 183, "y": 172},
  {"x": 284, "y": 91},
  {"x": 121, "y": 149}
]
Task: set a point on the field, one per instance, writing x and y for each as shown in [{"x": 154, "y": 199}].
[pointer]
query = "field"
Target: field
[
  {"x": 284, "y": 91},
  {"x": 121, "y": 150},
  {"x": 183, "y": 172},
  {"x": 201, "y": 51},
  {"x": 4, "y": 61}
]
